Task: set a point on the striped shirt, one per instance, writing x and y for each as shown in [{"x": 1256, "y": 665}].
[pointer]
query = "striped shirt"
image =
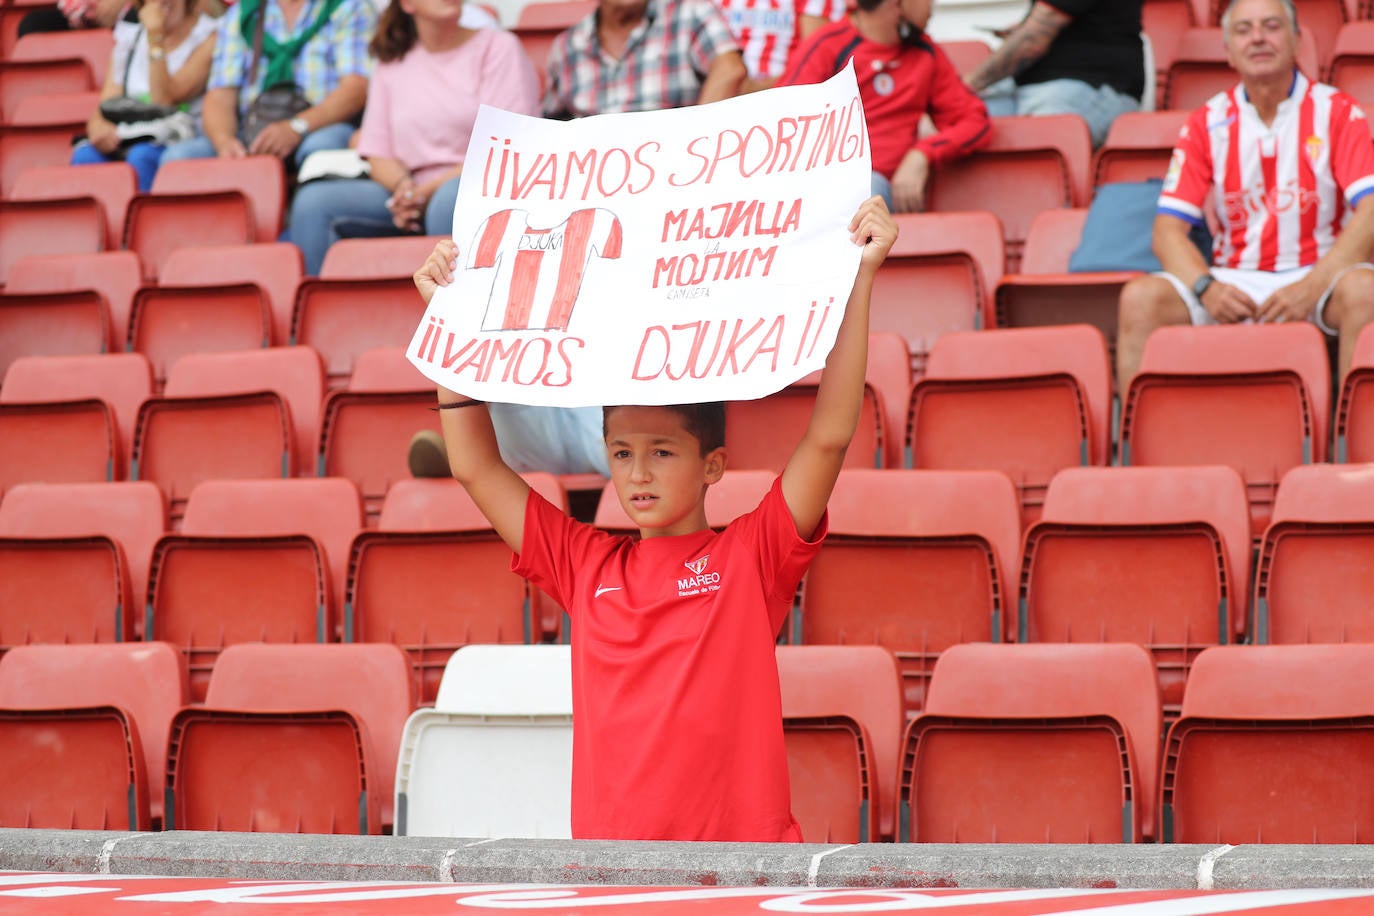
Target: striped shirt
[
  {"x": 664, "y": 63},
  {"x": 539, "y": 271},
  {"x": 1282, "y": 191},
  {"x": 337, "y": 50},
  {"x": 767, "y": 30}
]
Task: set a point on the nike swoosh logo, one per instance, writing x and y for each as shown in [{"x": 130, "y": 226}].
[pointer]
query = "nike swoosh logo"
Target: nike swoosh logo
[{"x": 601, "y": 590}]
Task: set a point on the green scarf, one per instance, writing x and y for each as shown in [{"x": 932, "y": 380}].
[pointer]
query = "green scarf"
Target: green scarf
[{"x": 281, "y": 55}]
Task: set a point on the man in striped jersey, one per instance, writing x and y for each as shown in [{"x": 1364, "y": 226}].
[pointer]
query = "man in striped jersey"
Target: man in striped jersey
[{"x": 1288, "y": 166}]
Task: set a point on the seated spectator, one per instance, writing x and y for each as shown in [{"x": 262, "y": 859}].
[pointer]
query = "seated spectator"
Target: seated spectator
[
  {"x": 902, "y": 75},
  {"x": 413, "y": 145},
  {"x": 319, "y": 45},
  {"x": 71, "y": 14},
  {"x": 643, "y": 55},
  {"x": 163, "y": 58},
  {"x": 1080, "y": 57},
  {"x": 768, "y": 30},
  {"x": 1289, "y": 164}
]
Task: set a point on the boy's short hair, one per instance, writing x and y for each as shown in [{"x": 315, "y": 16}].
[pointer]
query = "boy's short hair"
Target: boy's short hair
[{"x": 705, "y": 421}]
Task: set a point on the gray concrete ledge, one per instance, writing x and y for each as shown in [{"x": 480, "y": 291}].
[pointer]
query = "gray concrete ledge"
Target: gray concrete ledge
[{"x": 288, "y": 857}]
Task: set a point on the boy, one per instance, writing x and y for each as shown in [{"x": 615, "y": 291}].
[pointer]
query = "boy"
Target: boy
[{"x": 675, "y": 682}]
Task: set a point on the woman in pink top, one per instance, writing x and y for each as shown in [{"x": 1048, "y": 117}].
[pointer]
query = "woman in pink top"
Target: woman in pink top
[{"x": 413, "y": 146}]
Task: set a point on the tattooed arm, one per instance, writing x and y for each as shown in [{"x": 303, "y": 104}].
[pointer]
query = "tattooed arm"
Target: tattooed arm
[{"x": 1023, "y": 46}]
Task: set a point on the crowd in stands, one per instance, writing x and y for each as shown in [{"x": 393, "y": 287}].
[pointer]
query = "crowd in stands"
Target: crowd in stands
[{"x": 289, "y": 78}]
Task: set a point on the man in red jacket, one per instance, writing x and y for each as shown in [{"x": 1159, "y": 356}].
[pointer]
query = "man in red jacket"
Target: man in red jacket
[{"x": 902, "y": 75}]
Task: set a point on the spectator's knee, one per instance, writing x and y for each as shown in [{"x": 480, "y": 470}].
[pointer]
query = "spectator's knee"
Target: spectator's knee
[
  {"x": 1353, "y": 299},
  {"x": 1143, "y": 305}
]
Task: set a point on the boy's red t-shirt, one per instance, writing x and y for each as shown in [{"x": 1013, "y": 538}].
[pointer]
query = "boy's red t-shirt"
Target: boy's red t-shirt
[{"x": 677, "y": 712}]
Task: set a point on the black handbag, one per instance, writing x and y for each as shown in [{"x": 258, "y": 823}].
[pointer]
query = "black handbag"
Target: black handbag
[
  {"x": 125, "y": 109},
  {"x": 281, "y": 102}
]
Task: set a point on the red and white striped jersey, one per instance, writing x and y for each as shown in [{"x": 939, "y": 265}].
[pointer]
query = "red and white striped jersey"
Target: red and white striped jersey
[
  {"x": 539, "y": 271},
  {"x": 1283, "y": 191},
  {"x": 768, "y": 30}
]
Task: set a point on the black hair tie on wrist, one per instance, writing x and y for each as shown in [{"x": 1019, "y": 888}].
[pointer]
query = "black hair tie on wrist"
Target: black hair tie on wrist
[{"x": 457, "y": 405}]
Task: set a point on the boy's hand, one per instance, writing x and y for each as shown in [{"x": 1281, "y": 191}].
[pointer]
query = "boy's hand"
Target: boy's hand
[
  {"x": 874, "y": 228},
  {"x": 437, "y": 270}
]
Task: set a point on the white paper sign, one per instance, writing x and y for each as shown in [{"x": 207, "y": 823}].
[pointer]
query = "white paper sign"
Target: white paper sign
[{"x": 663, "y": 257}]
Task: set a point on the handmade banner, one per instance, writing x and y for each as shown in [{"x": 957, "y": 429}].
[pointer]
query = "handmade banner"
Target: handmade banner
[{"x": 662, "y": 257}]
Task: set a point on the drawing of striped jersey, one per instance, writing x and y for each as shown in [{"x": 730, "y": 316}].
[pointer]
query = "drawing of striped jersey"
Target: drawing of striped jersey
[{"x": 539, "y": 271}]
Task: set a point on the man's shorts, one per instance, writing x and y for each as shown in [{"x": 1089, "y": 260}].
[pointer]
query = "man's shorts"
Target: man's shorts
[{"x": 1258, "y": 285}]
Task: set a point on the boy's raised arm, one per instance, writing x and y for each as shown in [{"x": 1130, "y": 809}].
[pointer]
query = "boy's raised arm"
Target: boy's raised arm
[
  {"x": 469, "y": 437},
  {"x": 811, "y": 471}
]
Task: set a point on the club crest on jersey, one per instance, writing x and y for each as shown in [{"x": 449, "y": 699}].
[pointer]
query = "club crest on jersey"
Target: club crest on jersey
[
  {"x": 700, "y": 580},
  {"x": 1313, "y": 147}
]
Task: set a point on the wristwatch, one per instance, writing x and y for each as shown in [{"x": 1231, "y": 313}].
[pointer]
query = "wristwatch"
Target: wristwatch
[
  {"x": 155, "y": 52},
  {"x": 1200, "y": 285},
  {"x": 300, "y": 126}
]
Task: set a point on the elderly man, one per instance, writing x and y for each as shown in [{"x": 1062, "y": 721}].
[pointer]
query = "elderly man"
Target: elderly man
[
  {"x": 1080, "y": 57},
  {"x": 643, "y": 55},
  {"x": 1288, "y": 165}
]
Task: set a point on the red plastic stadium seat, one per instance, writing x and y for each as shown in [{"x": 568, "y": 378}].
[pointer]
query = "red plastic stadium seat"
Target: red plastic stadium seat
[
  {"x": 77, "y": 559},
  {"x": 1154, "y": 556},
  {"x": 966, "y": 56},
  {"x": 85, "y": 734},
  {"x": 1314, "y": 582},
  {"x": 21, "y": 78},
  {"x": 1034, "y": 744},
  {"x": 1355, "y": 412},
  {"x": 1255, "y": 397},
  {"x": 1032, "y": 164},
  {"x": 377, "y": 259},
  {"x": 1138, "y": 146},
  {"x": 91, "y": 46},
  {"x": 169, "y": 322},
  {"x": 1025, "y": 401},
  {"x": 31, "y": 146},
  {"x": 842, "y": 720},
  {"x": 342, "y": 318},
  {"x": 916, "y": 561},
  {"x": 763, "y": 433},
  {"x": 51, "y": 324},
  {"x": 1275, "y": 746},
  {"x": 260, "y": 179},
  {"x": 56, "y": 109},
  {"x": 318, "y": 727},
  {"x": 256, "y": 561},
  {"x": 275, "y": 267},
  {"x": 1200, "y": 70},
  {"x": 70, "y": 417},
  {"x": 937, "y": 278},
  {"x": 1164, "y": 21},
  {"x": 1352, "y": 61},
  {"x": 254, "y": 413},
  {"x": 29, "y": 227},
  {"x": 365, "y": 429},
  {"x": 158, "y": 224},
  {"x": 394, "y": 595},
  {"x": 1045, "y": 293},
  {"x": 540, "y": 23},
  {"x": 113, "y": 184},
  {"x": 114, "y": 274}
]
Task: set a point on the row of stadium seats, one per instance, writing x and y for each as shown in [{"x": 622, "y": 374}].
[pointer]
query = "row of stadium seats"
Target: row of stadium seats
[
  {"x": 916, "y": 561},
  {"x": 1045, "y": 743},
  {"x": 1027, "y": 401}
]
